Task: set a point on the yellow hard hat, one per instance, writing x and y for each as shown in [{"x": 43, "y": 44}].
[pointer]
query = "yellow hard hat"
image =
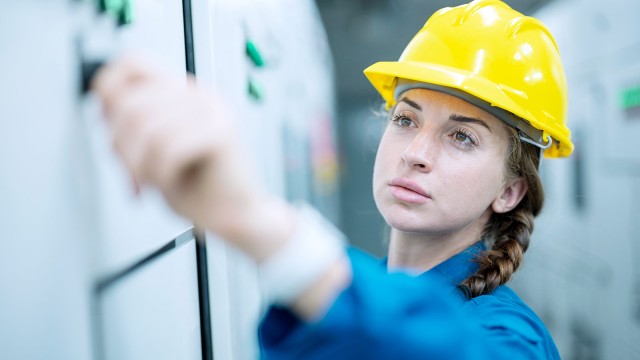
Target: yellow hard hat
[{"x": 496, "y": 58}]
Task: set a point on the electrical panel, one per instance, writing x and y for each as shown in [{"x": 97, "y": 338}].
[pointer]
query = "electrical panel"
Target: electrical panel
[
  {"x": 94, "y": 270},
  {"x": 270, "y": 62}
]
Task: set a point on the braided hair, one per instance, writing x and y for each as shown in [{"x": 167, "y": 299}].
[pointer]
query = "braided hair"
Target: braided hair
[{"x": 507, "y": 235}]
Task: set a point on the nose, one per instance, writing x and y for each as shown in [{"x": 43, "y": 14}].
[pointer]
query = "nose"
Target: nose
[{"x": 419, "y": 153}]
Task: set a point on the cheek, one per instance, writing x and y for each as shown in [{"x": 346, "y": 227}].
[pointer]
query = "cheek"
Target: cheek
[
  {"x": 386, "y": 158},
  {"x": 476, "y": 186}
]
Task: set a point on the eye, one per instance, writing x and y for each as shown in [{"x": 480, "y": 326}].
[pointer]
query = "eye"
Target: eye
[
  {"x": 402, "y": 121},
  {"x": 460, "y": 136},
  {"x": 464, "y": 137}
]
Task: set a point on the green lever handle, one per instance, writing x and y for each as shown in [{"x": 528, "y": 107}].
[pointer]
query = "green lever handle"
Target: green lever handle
[{"x": 254, "y": 54}]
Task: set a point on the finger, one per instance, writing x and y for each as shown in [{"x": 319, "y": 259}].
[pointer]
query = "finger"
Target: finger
[
  {"x": 154, "y": 152},
  {"x": 135, "y": 123},
  {"x": 137, "y": 150},
  {"x": 136, "y": 104},
  {"x": 184, "y": 138},
  {"x": 112, "y": 80},
  {"x": 180, "y": 155},
  {"x": 169, "y": 157}
]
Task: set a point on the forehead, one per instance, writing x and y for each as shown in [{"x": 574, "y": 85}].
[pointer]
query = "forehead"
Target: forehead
[{"x": 435, "y": 102}]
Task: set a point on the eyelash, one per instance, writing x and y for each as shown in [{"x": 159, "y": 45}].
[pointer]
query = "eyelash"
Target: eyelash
[
  {"x": 398, "y": 117},
  {"x": 468, "y": 134}
]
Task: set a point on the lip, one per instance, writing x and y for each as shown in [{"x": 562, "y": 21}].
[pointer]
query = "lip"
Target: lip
[{"x": 409, "y": 191}]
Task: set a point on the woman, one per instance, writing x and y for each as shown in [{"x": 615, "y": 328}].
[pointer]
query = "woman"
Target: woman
[{"x": 474, "y": 100}]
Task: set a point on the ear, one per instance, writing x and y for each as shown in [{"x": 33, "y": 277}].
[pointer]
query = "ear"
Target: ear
[{"x": 510, "y": 196}]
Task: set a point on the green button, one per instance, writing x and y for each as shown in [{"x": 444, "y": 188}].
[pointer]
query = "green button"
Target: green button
[
  {"x": 121, "y": 10},
  {"x": 630, "y": 97},
  {"x": 255, "y": 90},
  {"x": 125, "y": 17},
  {"x": 254, "y": 54},
  {"x": 113, "y": 7}
]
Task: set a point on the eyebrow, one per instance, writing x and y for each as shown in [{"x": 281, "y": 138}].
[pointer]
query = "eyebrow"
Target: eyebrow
[
  {"x": 453, "y": 117},
  {"x": 466, "y": 119},
  {"x": 411, "y": 103}
]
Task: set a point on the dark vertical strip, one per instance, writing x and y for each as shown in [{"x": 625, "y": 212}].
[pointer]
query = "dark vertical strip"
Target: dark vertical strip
[
  {"x": 203, "y": 293},
  {"x": 188, "y": 37},
  {"x": 201, "y": 248}
]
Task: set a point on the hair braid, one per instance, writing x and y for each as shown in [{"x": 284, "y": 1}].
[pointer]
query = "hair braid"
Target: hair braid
[{"x": 507, "y": 235}]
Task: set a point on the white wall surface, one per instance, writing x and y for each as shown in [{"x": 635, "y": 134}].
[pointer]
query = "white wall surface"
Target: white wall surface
[
  {"x": 44, "y": 262},
  {"x": 67, "y": 209}
]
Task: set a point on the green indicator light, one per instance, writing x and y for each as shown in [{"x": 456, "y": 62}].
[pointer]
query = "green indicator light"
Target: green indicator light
[
  {"x": 254, "y": 54},
  {"x": 125, "y": 17},
  {"x": 255, "y": 90},
  {"x": 630, "y": 97},
  {"x": 121, "y": 10},
  {"x": 113, "y": 7}
]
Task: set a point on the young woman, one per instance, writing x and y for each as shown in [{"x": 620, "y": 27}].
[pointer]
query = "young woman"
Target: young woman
[{"x": 475, "y": 99}]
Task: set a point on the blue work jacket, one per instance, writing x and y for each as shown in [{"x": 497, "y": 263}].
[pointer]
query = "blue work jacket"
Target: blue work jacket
[{"x": 385, "y": 315}]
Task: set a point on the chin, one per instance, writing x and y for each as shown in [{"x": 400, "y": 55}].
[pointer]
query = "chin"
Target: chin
[
  {"x": 406, "y": 221},
  {"x": 409, "y": 220}
]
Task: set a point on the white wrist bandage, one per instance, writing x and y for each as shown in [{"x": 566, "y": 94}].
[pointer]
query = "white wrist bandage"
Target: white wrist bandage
[{"x": 315, "y": 246}]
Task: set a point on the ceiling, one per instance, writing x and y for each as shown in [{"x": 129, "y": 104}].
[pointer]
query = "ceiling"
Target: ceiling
[{"x": 362, "y": 32}]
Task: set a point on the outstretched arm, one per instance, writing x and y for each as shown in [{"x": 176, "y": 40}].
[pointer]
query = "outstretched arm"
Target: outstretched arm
[{"x": 179, "y": 138}]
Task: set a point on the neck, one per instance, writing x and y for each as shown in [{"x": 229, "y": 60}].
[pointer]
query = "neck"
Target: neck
[{"x": 419, "y": 252}]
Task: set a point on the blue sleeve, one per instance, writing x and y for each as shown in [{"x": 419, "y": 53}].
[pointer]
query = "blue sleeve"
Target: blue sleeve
[
  {"x": 512, "y": 326},
  {"x": 386, "y": 316}
]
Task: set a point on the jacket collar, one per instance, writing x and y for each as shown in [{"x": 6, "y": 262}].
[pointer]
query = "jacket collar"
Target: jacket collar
[
  {"x": 460, "y": 266},
  {"x": 456, "y": 268}
]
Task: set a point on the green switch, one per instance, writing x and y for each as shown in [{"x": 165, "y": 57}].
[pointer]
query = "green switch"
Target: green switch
[
  {"x": 125, "y": 17},
  {"x": 121, "y": 10},
  {"x": 630, "y": 97},
  {"x": 254, "y": 54},
  {"x": 255, "y": 90},
  {"x": 112, "y": 7}
]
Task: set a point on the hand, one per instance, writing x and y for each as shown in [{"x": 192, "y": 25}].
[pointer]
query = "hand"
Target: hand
[{"x": 179, "y": 138}]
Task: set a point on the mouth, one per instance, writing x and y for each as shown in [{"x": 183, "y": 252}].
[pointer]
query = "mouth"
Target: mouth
[{"x": 409, "y": 191}]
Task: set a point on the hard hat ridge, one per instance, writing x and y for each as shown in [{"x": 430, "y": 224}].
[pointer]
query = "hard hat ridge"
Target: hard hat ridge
[{"x": 471, "y": 8}]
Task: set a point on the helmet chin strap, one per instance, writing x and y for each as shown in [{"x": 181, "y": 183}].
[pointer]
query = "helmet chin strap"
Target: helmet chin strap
[{"x": 540, "y": 145}]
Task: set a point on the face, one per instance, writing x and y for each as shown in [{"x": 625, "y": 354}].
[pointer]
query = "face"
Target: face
[{"x": 440, "y": 166}]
